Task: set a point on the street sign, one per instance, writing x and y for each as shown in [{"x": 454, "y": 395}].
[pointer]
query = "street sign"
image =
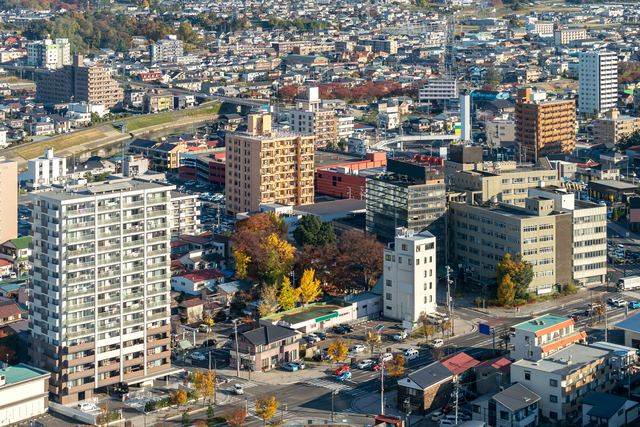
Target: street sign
[{"x": 484, "y": 329}]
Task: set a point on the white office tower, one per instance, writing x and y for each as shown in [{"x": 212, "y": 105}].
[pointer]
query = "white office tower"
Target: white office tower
[
  {"x": 409, "y": 276},
  {"x": 100, "y": 283},
  {"x": 465, "y": 118},
  {"x": 598, "y": 82}
]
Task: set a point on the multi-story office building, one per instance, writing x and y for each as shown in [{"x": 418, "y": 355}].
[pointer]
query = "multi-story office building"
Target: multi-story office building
[
  {"x": 598, "y": 81},
  {"x": 409, "y": 196},
  {"x": 409, "y": 275},
  {"x": 613, "y": 125},
  {"x": 185, "y": 213},
  {"x": 45, "y": 53},
  {"x": 266, "y": 165},
  {"x": 164, "y": 50},
  {"x": 310, "y": 118},
  {"x": 563, "y": 380},
  {"x": 382, "y": 45},
  {"x": 566, "y": 35},
  {"x": 99, "y": 287},
  {"x": 79, "y": 82},
  {"x": 434, "y": 89},
  {"x": 545, "y": 127},
  {"x": 550, "y": 226},
  {"x": 9, "y": 205},
  {"x": 46, "y": 170}
]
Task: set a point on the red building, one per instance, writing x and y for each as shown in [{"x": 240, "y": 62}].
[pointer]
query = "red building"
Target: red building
[
  {"x": 343, "y": 181},
  {"x": 207, "y": 168}
]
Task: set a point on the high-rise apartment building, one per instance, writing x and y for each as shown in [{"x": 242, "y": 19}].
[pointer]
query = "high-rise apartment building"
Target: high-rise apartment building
[
  {"x": 613, "y": 125},
  {"x": 79, "y": 82},
  {"x": 99, "y": 287},
  {"x": 45, "y": 53},
  {"x": 410, "y": 196},
  {"x": 310, "y": 118},
  {"x": 46, "y": 170},
  {"x": 163, "y": 50},
  {"x": 598, "y": 82},
  {"x": 544, "y": 126},
  {"x": 267, "y": 165},
  {"x": 382, "y": 45},
  {"x": 434, "y": 89},
  {"x": 566, "y": 35},
  {"x": 185, "y": 213},
  {"x": 409, "y": 275},
  {"x": 9, "y": 205}
]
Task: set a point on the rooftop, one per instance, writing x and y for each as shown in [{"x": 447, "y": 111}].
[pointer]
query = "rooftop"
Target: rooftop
[
  {"x": 21, "y": 372},
  {"x": 73, "y": 192},
  {"x": 619, "y": 185},
  {"x": 566, "y": 361},
  {"x": 317, "y": 312},
  {"x": 516, "y": 397},
  {"x": 274, "y": 135},
  {"x": 200, "y": 275},
  {"x": 544, "y": 324}
]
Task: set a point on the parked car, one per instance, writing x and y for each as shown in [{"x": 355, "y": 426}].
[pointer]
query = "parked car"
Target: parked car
[
  {"x": 437, "y": 416},
  {"x": 634, "y": 304},
  {"x": 300, "y": 365},
  {"x": 197, "y": 355},
  {"x": 339, "y": 330},
  {"x": 341, "y": 370},
  {"x": 321, "y": 335},
  {"x": 291, "y": 367},
  {"x": 400, "y": 336},
  {"x": 321, "y": 357},
  {"x": 437, "y": 343},
  {"x": 365, "y": 364},
  {"x": 358, "y": 348},
  {"x": 347, "y": 327},
  {"x": 84, "y": 407},
  {"x": 378, "y": 365},
  {"x": 344, "y": 376},
  {"x": 312, "y": 338},
  {"x": 620, "y": 303},
  {"x": 386, "y": 357},
  {"x": 238, "y": 389},
  {"x": 210, "y": 343}
]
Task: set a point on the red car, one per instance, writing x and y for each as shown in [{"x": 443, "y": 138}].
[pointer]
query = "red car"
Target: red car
[
  {"x": 575, "y": 318},
  {"x": 376, "y": 367},
  {"x": 341, "y": 370},
  {"x": 447, "y": 409}
]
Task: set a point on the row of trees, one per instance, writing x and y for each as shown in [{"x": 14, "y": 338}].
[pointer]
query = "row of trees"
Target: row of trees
[{"x": 365, "y": 92}]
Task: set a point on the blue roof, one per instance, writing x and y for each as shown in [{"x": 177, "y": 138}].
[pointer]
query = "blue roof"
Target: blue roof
[
  {"x": 631, "y": 324},
  {"x": 10, "y": 287},
  {"x": 231, "y": 287}
]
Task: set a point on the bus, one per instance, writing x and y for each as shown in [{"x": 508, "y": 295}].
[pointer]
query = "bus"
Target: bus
[{"x": 628, "y": 283}]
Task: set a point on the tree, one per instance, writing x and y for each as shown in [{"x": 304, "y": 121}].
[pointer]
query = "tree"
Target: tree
[
  {"x": 312, "y": 231},
  {"x": 186, "y": 419},
  {"x": 178, "y": 398},
  {"x": 493, "y": 76},
  {"x": 288, "y": 296},
  {"x": 506, "y": 290},
  {"x": 279, "y": 258},
  {"x": 427, "y": 328},
  {"x": 598, "y": 307},
  {"x": 614, "y": 215},
  {"x": 445, "y": 326},
  {"x": 236, "y": 414},
  {"x": 145, "y": 3},
  {"x": 372, "y": 338},
  {"x": 89, "y": 177},
  {"x": 342, "y": 144},
  {"x": 266, "y": 408},
  {"x": 570, "y": 289},
  {"x": 365, "y": 254},
  {"x": 185, "y": 32},
  {"x": 211, "y": 413},
  {"x": 268, "y": 304},
  {"x": 629, "y": 140},
  {"x": 331, "y": 145},
  {"x": 242, "y": 261},
  {"x": 199, "y": 384},
  {"x": 7, "y": 354},
  {"x": 396, "y": 367},
  {"x": 209, "y": 386},
  {"x": 103, "y": 418},
  {"x": 309, "y": 287},
  {"x": 338, "y": 349},
  {"x": 331, "y": 266},
  {"x": 520, "y": 276}
]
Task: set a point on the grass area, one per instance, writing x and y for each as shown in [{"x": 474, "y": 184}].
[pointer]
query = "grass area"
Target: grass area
[
  {"x": 143, "y": 122},
  {"x": 61, "y": 143},
  {"x": 214, "y": 109}
]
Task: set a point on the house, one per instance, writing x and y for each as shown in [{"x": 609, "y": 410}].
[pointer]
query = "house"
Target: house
[
  {"x": 265, "y": 348},
  {"x": 10, "y": 312},
  {"x": 6, "y": 267},
  {"x": 225, "y": 293},
  {"x": 607, "y": 410},
  {"x": 23, "y": 393},
  {"x": 314, "y": 317},
  {"x": 516, "y": 406},
  {"x": 198, "y": 259},
  {"x": 542, "y": 336},
  {"x": 191, "y": 310},
  {"x": 631, "y": 328},
  {"x": 492, "y": 374},
  {"x": 193, "y": 282},
  {"x": 563, "y": 379}
]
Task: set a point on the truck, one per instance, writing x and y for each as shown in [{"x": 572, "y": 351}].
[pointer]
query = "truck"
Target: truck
[{"x": 628, "y": 283}]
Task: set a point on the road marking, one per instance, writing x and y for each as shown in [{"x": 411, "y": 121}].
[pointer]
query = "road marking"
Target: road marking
[{"x": 341, "y": 387}]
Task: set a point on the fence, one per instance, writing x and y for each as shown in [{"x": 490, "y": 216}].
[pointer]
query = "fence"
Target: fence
[{"x": 73, "y": 413}]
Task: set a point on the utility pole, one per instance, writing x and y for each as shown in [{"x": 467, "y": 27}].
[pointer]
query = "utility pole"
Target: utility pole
[
  {"x": 450, "y": 302},
  {"x": 235, "y": 331},
  {"x": 457, "y": 393},
  {"x": 382, "y": 388},
  {"x": 606, "y": 324}
]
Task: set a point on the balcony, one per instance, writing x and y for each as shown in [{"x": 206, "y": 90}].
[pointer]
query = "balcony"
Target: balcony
[
  {"x": 108, "y": 287},
  {"x": 134, "y": 307},
  {"x": 85, "y": 278},
  {"x": 82, "y": 211},
  {"x": 133, "y": 282},
  {"x": 157, "y": 226},
  {"x": 158, "y": 304},
  {"x": 158, "y": 239},
  {"x": 109, "y": 234},
  {"x": 162, "y": 251},
  {"x": 132, "y": 217},
  {"x": 157, "y": 278},
  {"x": 106, "y": 248},
  {"x": 156, "y": 200},
  {"x": 133, "y": 269},
  {"x": 80, "y": 252},
  {"x": 155, "y": 214},
  {"x": 106, "y": 274},
  {"x": 136, "y": 321},
  {"x": 110, "y": 260},
  {"x": 108, "y": 326},
  {"x": 133, "y": 243},
  {"x": 81, "y": 291},
  {"x": 133, "y": 295},
  {"x": 106, "y": 314},
  {"x": 76, "y": 320},
  {"x": 88, "y": 331},
  {"x": 157, "y": 316},
  {"x": 133, "y": 204},
  {"x": 80, "y": 306},
  {"x": 80, "y": 225},
  {"x": 132, "y": 230},
  {"x": 80, "y": 266},
  {"x": 109, "y": 221},
  {"x": 106, "y": 301},
  {"x": 108, "y": 207},
  {"x": 80, "y": 238}
]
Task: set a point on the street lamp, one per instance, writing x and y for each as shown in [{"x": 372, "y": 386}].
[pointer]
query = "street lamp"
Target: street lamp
[{"x": 332, "y": 393}]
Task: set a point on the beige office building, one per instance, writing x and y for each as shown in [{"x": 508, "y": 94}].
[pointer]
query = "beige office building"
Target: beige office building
[
  {"x": 9, "y": 198},
  {"x": 267, "y": 165},
  {"x": 613, "y": 126}
]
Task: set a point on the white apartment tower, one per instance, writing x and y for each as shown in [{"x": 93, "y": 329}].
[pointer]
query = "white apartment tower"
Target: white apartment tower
[
  {"x": 100, "y": 283},
  {"x": 46, "y": 170},
  {"x": 598, "y": 82},
  {"x": 409, "y": 277},
  {"x": 45, "y": 53},
  {"x": 166, "y": 49}
]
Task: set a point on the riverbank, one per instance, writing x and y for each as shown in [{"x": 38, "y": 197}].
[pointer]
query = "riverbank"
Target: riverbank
[{"x": 100, "y": 136}]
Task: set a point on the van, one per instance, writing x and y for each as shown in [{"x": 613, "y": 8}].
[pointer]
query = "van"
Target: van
[
  {"x": 203, "y": 328},
  {"x": 411, "y": 354},
  {"x": 434, "y": 319}
]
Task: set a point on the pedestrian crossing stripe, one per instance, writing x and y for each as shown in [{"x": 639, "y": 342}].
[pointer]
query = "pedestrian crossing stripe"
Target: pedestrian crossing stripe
[
  {"x": 337, "y": 387},
  {"x": 251, "y": 407}
]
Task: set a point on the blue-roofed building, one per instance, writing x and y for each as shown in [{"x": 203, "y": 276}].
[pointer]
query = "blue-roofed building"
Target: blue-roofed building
[
  {"x": 601, "y": 409},
  {"x": 631, "y": 328},
  {"x": 24, "y": 393}
]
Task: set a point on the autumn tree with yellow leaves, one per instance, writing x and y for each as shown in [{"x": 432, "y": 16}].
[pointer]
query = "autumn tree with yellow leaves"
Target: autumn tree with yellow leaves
[
  {"x": 266, "y": 408},
  {"x": 396, "y": 367},
  {"x": 338, "y": 349},
  {"x": 288, "y": 296},
  {"x": 309, "y": 286}
]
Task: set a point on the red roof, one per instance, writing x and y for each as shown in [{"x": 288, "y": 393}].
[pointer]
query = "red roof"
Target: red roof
[
  {"x": 192, "y": 302},
  {"x": 200, "y": 275},
  {"x": 502, "y": 364},
  {"x": 176, "y": 263},
  {"x": 10, "y": 308},
  {"x": 459, "y": 362},
  {"x": 5, "y": 262},
  {"x": 196, "y": 148},
  {"x": 177, "y": 243}
]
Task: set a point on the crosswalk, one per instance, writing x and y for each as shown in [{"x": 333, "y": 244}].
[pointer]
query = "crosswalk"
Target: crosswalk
[
  {"x": 334, "y": 385},
  {"x": 250, "y": 405},
  {"x": 245, "y": 385}
]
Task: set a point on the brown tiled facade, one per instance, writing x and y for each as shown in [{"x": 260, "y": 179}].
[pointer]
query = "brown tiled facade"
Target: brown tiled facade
[{"x": 614, "y": 126}]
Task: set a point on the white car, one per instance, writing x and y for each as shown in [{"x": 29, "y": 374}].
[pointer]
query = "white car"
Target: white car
[
  {"x": 365, "y": 364},
  {"x": 437, "y": 416},
  {"x": 437, "y": 343},
  {"x": 620, "y": 303},
  {"x": 359, "y": 348},
  {"x": 238, "y": 389},
  {"x": 386, "y": 357},
  {"x": 84, "y": 407},
  {"x": 197, "y": 355},
  {"x": 312, "y": 338},
  {"x": 400, "y": 336}
]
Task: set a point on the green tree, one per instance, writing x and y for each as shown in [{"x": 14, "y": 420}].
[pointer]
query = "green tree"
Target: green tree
[
  {"x": 629, "y": 140},
  {"x": 493, "y": 76},
  {"x": 185, "y": 32},
  {"x": 89, "y": 177},
  {"x": 331, "y": 145},
  {"x": 211, "y": 413},
  {"x": 288, "y": 296},
  {"x": 312, "y": 231},
  {"x": 186, "y": 419},
  {"x": 342, "y": 144},
  {"x": 614, "y": 215},
  {"x": 520, "y": 275}
]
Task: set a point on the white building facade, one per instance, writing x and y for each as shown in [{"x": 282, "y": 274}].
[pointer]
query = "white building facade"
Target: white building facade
[
  {"x": 409, "y": 276},
  {"x": 165, "y": 49},
  {"x": 45, "y": 53},
  {"x": 438, "y": 89},
  {"x": 46, "y": 170},
  {"x": 598, "y": 82}
]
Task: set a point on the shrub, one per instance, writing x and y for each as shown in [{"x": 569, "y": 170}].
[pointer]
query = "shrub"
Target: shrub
[
  {"x": 459, "y": 294},
  {"x": 570, "y": 289},
  {"x": 478, "y": 302}
]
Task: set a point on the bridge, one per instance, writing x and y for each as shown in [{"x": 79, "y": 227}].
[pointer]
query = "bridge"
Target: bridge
[{"x": 382, "y": 145}]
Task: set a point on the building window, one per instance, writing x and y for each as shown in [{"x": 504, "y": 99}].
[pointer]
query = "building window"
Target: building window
[
  {"x": 527, "y": 375},
  {"x": 504, "y": 415},
  {"x": 388, "y": 308},
  {"x": 387, "y": 257},
  {"x": 399, "y": 260},
  {"x": 553, "y": 399},
  {"x": 553, "y": 415},
  {"x": 410, "y": 261},
  {"x": 404, "y": 247},
  {"x": 388, "y": 282},
  {"x": 389, "y": 296},
  {"x": 553, "y": 383}
]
